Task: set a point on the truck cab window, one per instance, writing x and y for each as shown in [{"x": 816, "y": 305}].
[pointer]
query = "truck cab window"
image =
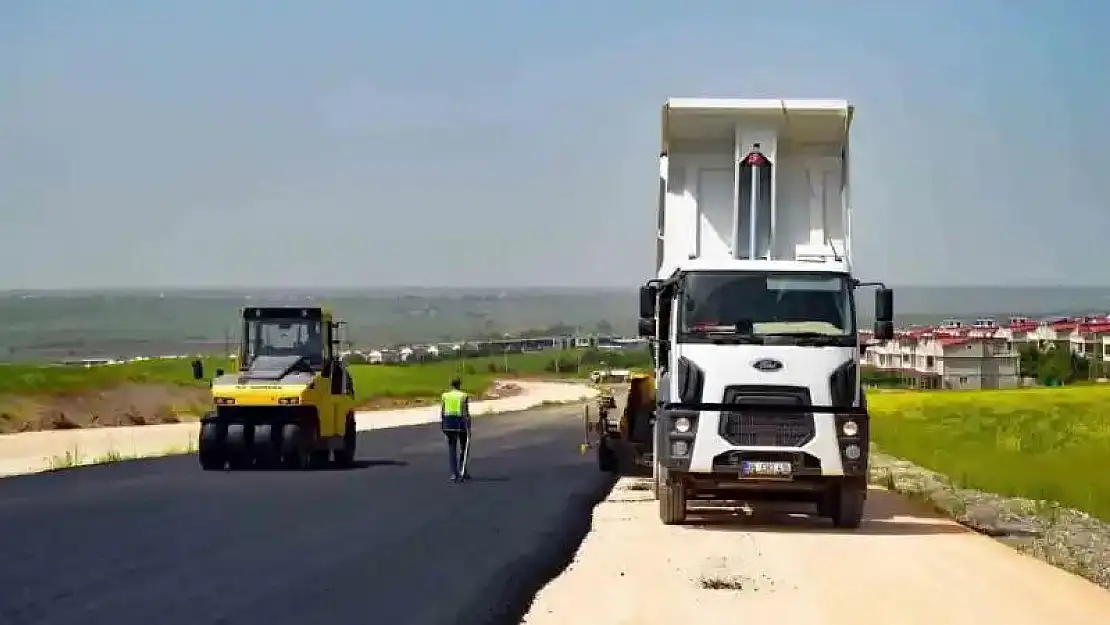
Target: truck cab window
[{"x": 767, "y": 303}]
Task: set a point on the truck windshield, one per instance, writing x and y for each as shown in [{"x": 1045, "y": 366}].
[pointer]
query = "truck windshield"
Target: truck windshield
[
  {"x": 284, "y": 337},
  {"x": 801, "y": 305}
]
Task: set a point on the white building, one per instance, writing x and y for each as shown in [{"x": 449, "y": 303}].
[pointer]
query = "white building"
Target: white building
[{"x": 951, "y": 356}]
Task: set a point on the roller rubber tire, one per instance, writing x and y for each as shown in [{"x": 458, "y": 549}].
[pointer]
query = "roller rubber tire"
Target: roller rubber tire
[
  {"x": 210, "y": 448},
  {"x": 237, "y": 444},
  {"x": 346, "y": 456},
  {"x": 294, "y": 450},
  {"x": 266, "y": 447},
  {"x": 607, "y": 461}
]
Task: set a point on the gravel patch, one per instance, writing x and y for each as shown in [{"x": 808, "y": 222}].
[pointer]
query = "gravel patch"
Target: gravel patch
[{"x": 1067, "y": 538}]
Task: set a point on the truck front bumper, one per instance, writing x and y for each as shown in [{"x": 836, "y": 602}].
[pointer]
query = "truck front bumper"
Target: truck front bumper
[{"x": 675, "y": 443}]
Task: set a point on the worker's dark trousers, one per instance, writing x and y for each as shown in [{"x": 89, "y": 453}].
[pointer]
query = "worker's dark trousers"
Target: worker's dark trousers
[{"x": 456, "y": 447}]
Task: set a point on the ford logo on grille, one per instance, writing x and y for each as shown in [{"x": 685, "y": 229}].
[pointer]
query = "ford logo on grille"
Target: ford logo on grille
[{"x": 767, "y": 364}]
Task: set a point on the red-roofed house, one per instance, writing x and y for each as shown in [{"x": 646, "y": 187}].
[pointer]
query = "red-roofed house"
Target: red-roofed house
[
  {"x": 950, "y": 357},
  {"x": 1086, "y": 336}
]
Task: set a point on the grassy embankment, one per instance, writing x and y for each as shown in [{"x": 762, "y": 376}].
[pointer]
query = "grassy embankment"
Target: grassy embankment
[
  {"x": 46, "y": 397},
  {"x": 1044, "y": 444}
]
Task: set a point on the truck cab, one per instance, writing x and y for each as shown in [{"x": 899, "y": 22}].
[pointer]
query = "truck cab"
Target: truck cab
[{"x": 752, "y": 311}]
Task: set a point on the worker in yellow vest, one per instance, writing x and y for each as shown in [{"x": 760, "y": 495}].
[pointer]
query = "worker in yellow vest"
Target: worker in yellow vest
[{"x": 454, "y": 418}]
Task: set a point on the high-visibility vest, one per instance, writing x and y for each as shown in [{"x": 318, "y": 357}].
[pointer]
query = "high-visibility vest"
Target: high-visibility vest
[{"x": 453, "y": 401}]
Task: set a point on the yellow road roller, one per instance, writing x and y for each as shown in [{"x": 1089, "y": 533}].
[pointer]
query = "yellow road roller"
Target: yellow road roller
[{"x": 290, "y": 404}]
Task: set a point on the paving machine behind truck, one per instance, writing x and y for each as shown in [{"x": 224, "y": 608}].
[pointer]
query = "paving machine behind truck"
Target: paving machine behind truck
[
  {"x": 752, "y": 313},
  {"x": 292, "y": 401},
  {"x": 625, "y": 443}
]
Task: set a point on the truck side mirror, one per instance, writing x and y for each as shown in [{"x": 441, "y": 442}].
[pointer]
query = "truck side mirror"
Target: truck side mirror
[
  {"x": 219, "y": 372},
  {"x": 884, "y": 306},
  {"x": 647, "y": 302},
  {"x": 646, "y": 326},
  {"x": 884, "y": 330}
]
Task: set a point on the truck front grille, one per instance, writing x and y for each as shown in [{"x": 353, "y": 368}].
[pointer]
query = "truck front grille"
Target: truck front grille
[{"x": 767, "y": 429}]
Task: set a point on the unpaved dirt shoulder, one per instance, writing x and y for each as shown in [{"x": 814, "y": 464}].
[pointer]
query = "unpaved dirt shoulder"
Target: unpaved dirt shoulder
[
  {"x": 1064, "y": 537},
  {"x": 120, "y": 406},
  {"x": 906, "y": 565}
]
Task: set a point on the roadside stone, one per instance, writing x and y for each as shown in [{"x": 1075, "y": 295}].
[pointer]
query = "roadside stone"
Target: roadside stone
[{"x": 1070, "y": 539}]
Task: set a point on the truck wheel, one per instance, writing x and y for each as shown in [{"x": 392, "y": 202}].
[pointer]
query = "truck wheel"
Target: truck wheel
[
  {"x": 345, "y": 456},
  {"x": 672, "y": 500},
  {"x": 210, "y": 450},
  {"x": 606, "y": 458},
  {"x": 848, "y": 504}
]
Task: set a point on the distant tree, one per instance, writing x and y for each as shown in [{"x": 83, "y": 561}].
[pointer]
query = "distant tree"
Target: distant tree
[
  {"x": 559, "y": 329},
  {"x": 1030, "y": 359},
  {"x": 879, "y": 378},
  {"x": 1060, "y": 365}
]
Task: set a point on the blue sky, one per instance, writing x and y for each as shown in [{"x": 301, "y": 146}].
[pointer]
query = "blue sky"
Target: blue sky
[{"x": 492, "y": 142}]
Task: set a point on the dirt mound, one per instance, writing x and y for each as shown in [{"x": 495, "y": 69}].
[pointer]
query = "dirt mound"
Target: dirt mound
[
  {"x": 502, "y": 389},
  {"x": 131, "y": 404}
]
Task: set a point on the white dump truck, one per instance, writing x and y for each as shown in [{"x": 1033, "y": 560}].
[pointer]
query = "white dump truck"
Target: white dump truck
[{"x": 752, "y": 313}]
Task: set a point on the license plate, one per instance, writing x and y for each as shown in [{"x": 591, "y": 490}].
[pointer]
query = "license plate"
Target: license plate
[{"x": 763, "y": 468}]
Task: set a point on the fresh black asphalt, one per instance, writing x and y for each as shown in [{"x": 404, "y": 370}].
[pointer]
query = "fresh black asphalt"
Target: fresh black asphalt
[{"x": 391, "y": 541}]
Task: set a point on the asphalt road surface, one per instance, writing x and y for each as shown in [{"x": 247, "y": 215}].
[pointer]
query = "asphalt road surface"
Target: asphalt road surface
[{"x": 391, "y": 541}]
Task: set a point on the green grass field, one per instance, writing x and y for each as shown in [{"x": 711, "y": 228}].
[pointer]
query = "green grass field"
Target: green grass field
[
  {"x": 34, "y": 379},
  {"x": 395, "y": 381},
  {"x": 1043, "y": 443}
]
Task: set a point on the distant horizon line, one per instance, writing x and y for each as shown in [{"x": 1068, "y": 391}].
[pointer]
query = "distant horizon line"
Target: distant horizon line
[
  {"x": 306, "y": 289},
  {"x": 314, "y": 289}
]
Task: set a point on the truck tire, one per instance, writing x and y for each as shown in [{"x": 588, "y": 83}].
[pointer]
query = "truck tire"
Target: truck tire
[
  {"x": 346, "y": 456},
  {"x": 847, "y": 506},
  {"x": 655, "y": 471},
  {"x": 672, "y": 500},
  {"x": 607, "y": 461}
]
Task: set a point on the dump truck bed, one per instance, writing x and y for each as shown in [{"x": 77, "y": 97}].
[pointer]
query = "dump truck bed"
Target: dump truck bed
[{"x": 705, "y": 209}]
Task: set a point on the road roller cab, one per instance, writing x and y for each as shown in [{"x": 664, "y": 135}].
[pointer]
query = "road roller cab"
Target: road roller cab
[{"x": 291, "y": 403}]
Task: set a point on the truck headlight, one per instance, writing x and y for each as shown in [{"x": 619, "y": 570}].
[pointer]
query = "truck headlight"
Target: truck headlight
[
  {"x": 852, "y": 452},
  {"x": 682, "y": 425},
  {"x": 850, "y": 428},
  {"x": 223, "y": 401},
  {"x": 289, "y": 401}
]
